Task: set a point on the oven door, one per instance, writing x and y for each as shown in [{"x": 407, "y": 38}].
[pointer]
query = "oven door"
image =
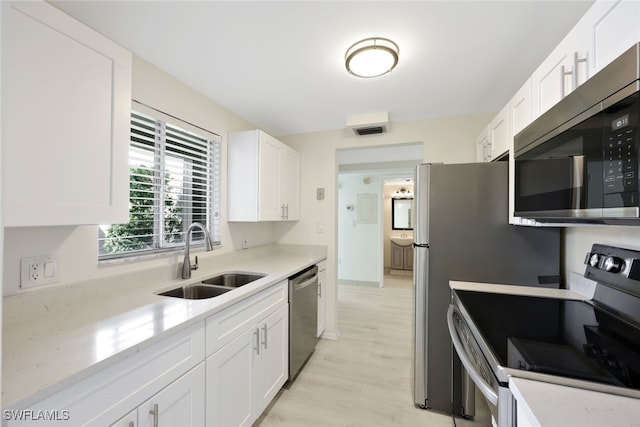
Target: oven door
[{"x": 476, "y": 374}]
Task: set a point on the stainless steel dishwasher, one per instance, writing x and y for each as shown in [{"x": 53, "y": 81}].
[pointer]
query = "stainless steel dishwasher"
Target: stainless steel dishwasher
[{"x": 303, "y": 318}]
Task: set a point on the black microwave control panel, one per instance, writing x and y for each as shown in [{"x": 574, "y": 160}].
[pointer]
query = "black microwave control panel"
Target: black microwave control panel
[{"x": 621, "y": 160}]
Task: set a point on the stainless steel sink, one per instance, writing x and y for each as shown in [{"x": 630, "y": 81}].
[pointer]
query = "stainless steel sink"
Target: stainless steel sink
[
  {"x": 233, "y": 280},
  {"x": 195, "y": 291},
  {"x": 213, "y": 286}
]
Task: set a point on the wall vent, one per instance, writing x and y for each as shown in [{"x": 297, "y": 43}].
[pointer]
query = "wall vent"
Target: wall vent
[
  {"x": 369, "y": 124},
  {"x": 371, "y": 130}
]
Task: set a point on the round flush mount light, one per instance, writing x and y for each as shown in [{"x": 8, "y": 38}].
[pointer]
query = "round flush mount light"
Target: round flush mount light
[{"x": 371, "y": 57}]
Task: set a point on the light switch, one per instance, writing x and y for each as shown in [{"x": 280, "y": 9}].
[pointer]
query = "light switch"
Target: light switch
[
  {"x": 320, "y": 193},
  {"x": 49, "y": 269}
]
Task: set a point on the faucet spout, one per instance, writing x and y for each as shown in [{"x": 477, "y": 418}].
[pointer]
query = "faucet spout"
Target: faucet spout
[{"x": 186, "y": 264}]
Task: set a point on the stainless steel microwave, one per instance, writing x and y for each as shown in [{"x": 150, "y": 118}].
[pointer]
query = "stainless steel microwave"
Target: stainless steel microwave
[{"x": 579, "y": 162}]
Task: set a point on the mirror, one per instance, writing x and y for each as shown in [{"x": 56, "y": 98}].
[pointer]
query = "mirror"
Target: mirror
[{"x": 401, "y": 214}]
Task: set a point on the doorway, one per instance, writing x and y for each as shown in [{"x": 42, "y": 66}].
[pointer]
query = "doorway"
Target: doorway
[{"x": 364, "y": 211}]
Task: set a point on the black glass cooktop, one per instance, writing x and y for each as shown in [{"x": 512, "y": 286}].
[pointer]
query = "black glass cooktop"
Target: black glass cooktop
[{"x": 559, "y": 337}]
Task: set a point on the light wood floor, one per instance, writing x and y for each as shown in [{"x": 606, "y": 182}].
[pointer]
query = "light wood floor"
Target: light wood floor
[{"x": 364, "y": 378}]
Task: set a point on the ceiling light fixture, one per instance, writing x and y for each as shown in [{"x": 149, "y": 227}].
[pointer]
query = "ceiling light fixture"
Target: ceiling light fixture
[{"x": 371, "y": 57}]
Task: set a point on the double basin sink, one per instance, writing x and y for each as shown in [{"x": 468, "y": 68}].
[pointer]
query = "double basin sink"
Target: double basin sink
[{"x": 213, "y": 286}]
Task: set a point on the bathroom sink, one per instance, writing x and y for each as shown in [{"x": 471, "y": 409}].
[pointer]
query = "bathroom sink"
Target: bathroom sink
[
  {"x": 195, "y": 291},
  {"x": 402, "y": 241},
  {"x": 233, "y": 280}
]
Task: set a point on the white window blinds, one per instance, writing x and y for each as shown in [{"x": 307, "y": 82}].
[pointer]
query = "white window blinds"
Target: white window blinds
[{"x": 174, "y": 181}]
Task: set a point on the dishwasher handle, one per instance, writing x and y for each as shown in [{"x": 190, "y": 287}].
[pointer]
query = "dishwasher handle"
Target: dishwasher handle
[
  {"x": 300, "y": 285},
  {"x": 464, "y": 358}
]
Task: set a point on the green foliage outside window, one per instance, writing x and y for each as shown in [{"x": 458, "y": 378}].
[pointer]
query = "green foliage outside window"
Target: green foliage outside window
[{"x": 139, "y": 233}]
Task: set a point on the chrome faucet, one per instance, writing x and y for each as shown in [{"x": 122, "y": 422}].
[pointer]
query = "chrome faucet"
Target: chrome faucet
[{"x": 186, "y": 264}]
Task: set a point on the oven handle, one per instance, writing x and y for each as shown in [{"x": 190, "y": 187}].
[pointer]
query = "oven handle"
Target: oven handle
[{"x": 475, "y": 376}]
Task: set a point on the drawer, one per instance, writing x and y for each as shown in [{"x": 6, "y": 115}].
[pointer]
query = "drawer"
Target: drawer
[{"x": 225, "y": 326}]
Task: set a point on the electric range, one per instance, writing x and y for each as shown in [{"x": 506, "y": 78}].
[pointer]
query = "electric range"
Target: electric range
[{"x": 592, "y": 344}]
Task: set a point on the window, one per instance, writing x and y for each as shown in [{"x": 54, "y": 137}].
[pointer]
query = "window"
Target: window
[{"x": 174, "y": 181}]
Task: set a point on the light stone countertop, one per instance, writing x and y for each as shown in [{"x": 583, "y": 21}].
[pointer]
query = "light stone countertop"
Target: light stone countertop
[
  {"x": 55, "y": 337},
  {"x": 557, "y": 405}
]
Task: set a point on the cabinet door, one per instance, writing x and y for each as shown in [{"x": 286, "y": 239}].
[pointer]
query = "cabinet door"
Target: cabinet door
[
  {"x": 67, "y": 99},
  {"x": 272, "y": 368},
  {"x": 563, "y": 70},
  {"x": 229, "y": 380},
  {"x": 397, "y": 257},
  {"x": 519, "y": 117},
  {"x": 290, "y": 183},
  {"x": 322, "y": 301},
  {"x": 483, "y": 146},
  {"x": 520, "y": 110},
  {"x": 611, "y": 28},
  {"x": 408, "y": 257},
  {"x": 550, "y": 82},
  {"x": 182, "y": 403},
  {"x": 499, "y": 133},
  {"x": 269, "y": 205}
]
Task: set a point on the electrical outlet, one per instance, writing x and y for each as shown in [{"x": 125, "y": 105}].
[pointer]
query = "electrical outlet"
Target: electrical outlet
[{"x": 38, "y": 270}]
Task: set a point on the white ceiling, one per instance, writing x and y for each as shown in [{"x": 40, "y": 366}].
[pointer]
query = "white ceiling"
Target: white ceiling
[{"x": 280, "y": 65}]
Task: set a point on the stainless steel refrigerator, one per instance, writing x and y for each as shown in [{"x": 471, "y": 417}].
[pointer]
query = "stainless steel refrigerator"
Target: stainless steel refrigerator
[{"x": 462, "y": 233}]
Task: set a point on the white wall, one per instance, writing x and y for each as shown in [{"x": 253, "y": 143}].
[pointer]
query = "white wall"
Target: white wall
[
  {"x": 77, "y": 247},
  {"x": 359, "y": 244},
  {"x": 448, "y": 140}
]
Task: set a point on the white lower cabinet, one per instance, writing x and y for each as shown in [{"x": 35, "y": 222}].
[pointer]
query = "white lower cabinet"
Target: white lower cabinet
[
  {"x": 271, "y": 358},
  {"x": 112, "y": 393},
  {"x": 220, "y": 372},
  {"x": 179, "y": 404},
  {"x": 230, "y": 383},
  {"x": 246, "y": 374}
]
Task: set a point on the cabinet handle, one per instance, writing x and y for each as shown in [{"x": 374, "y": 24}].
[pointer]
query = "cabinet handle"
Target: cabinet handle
[
  {"x": 563, "y": 74},
  {"x": 319, "y": 289},
  {"x": 257, "y": 334},
  {"x": 155, "y": 413},
  {"x": 287, "y": 210},
  {"x": 576, "y": 62},
  {"x": 264, "y": 343}
]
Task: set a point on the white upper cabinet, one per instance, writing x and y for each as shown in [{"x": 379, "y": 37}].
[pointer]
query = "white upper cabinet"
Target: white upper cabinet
[
  {"x": 610, "y": 27},
  {"x": 563, "y": 70},
  {"x": 66, "y": 102},
  {"x": 607, "y": 29},
  {"x": 519, "y": 108},
  {"x": 500, "y": 134},
  {"x": 483, "y": 146},
  {"x": 264, "y": 178},
  {"x": 493, "y": 140},
  {"x": 290, "y": 183}
]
